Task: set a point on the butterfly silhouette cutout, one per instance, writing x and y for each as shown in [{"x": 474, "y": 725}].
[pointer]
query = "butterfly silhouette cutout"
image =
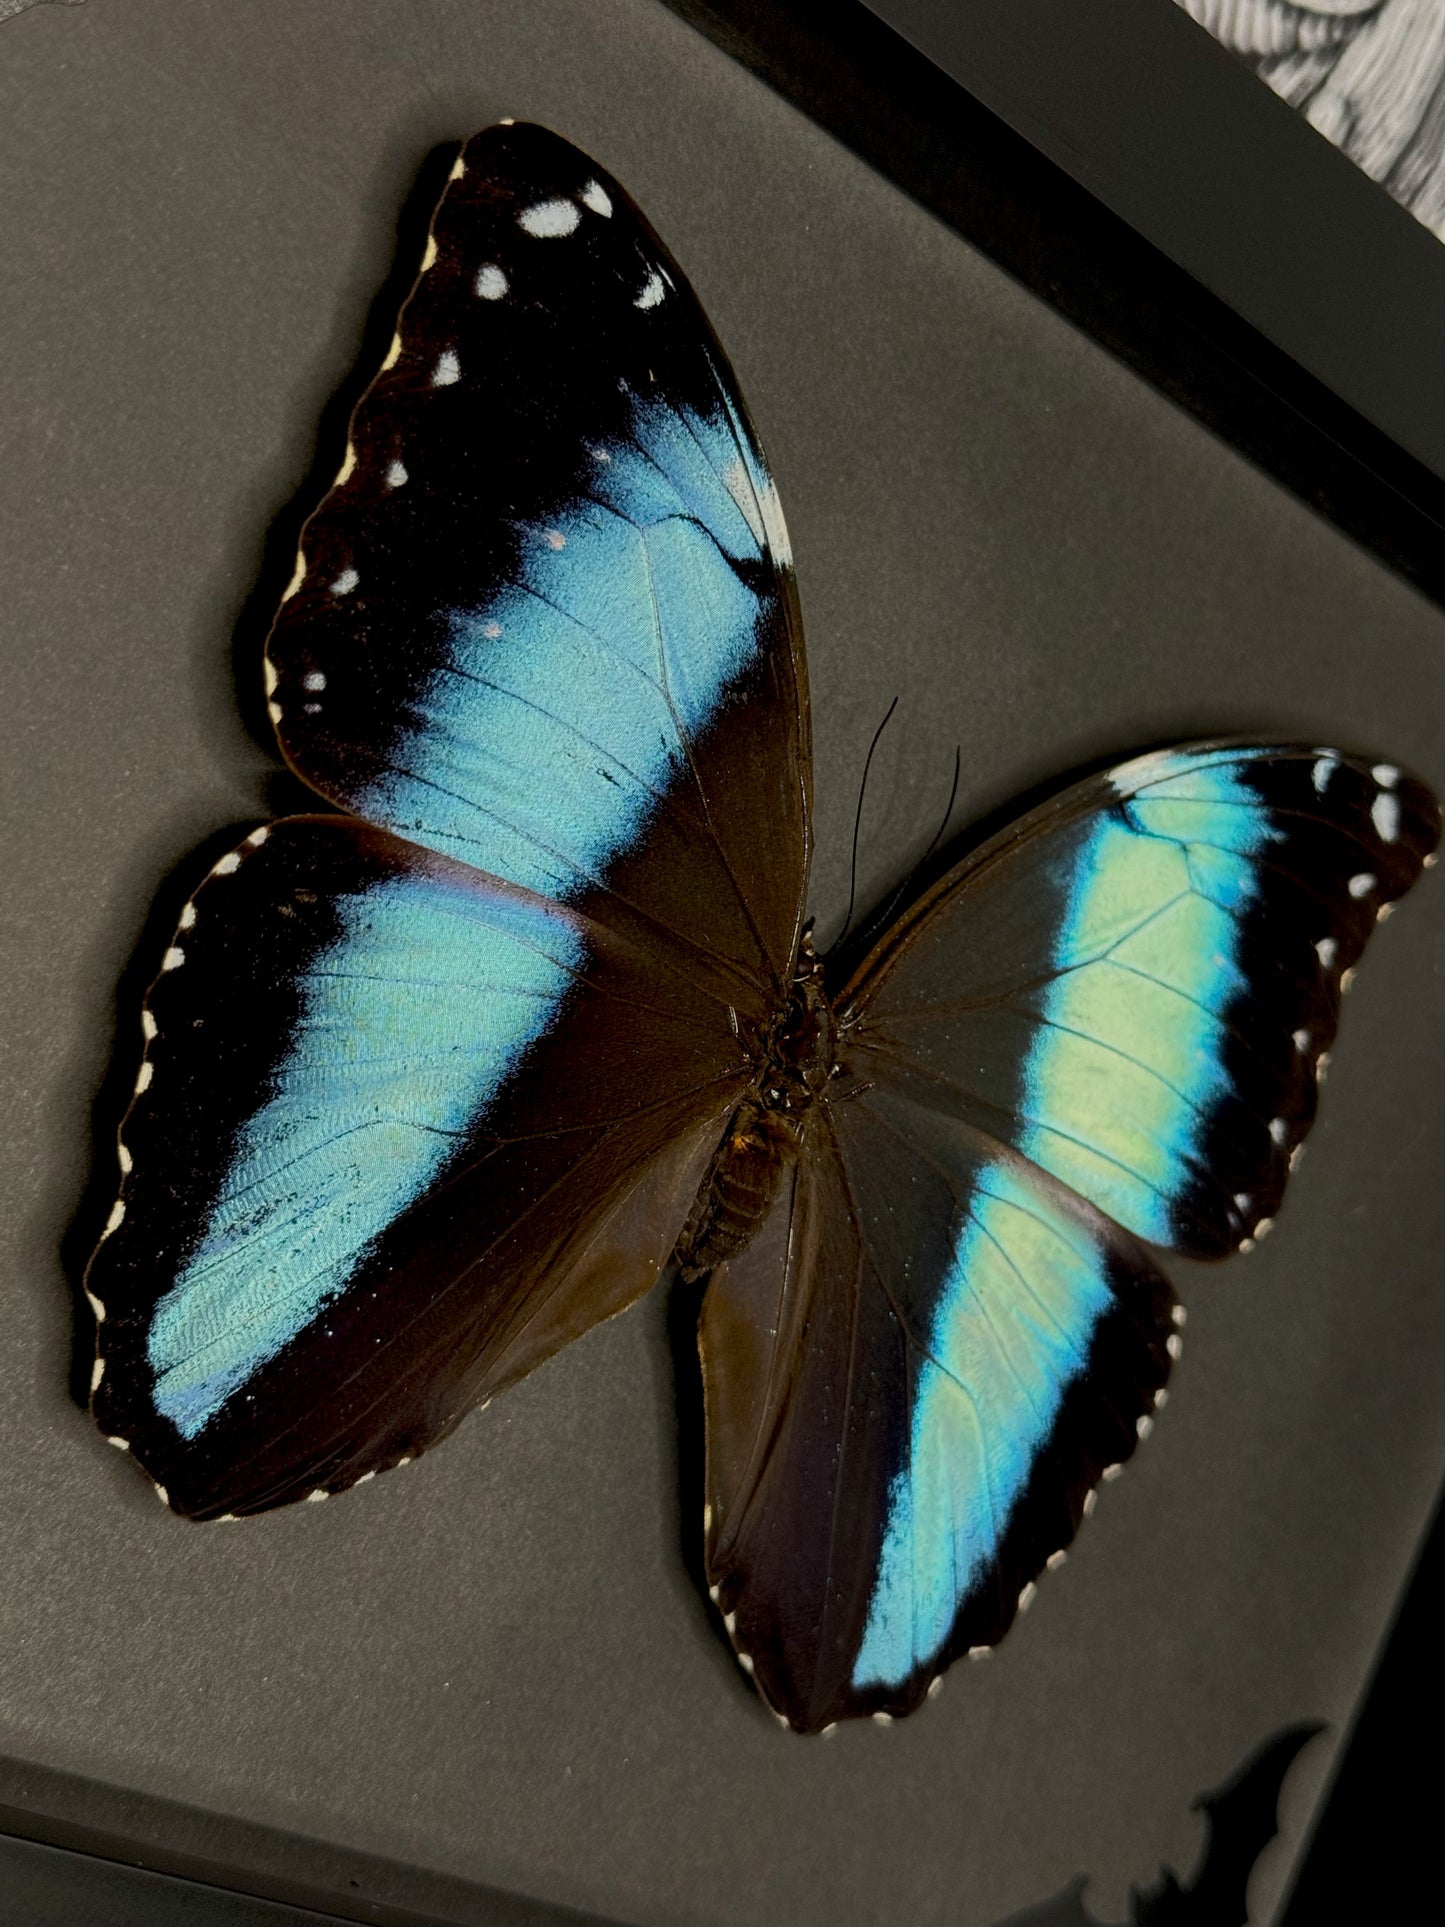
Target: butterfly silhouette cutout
[{"x": 431, "y": 1087}]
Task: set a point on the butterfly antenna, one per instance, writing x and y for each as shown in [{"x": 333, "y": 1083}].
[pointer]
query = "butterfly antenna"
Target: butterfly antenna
[
  {"x": 947, "y": 814},
  {"x": 887, "y": 911},
  {"x": 858, "y": 821}
]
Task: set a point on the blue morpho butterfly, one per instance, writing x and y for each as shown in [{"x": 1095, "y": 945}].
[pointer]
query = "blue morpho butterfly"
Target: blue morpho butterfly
[{"x": 432, "y": 1087}]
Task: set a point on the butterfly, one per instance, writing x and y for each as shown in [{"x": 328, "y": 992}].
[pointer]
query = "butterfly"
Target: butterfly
[{"x": 435, "y": 1081}]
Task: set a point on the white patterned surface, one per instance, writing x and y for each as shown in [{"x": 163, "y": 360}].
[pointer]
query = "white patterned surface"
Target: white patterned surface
[{"x": 1368, "y": 74}]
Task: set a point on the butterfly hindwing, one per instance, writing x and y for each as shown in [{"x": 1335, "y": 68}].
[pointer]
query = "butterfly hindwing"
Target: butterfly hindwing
[
  {"x": 545, "y": 622},
  {"x": 1137, "y": 985},
  {"x": 400, "y": 1131},
  {"x": 913, "y": 1380}
]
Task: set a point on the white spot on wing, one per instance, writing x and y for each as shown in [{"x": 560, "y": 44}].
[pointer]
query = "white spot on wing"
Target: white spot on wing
[
  {"x": 124, "y": 1159},
  {"x": 1385, "y": 815},
  {"x": 555, "y": 539},
  {"x": 95, "y": 1305},
  {"x": 313, "y": 680},
  {"x": 762, "y": 512},
  {"x": 595, "y": 196},
  {"x": 396, "y": 475},
  {"x": 229, "y": 862},
  {"x": 314, "y": 1498},
  {"x": 1327, "y": 950},
  {"x": 777, "y": 528},
  {"x": 144, "y": 1076},
  {"x": 1174, "y": 1345},
  {"x": 1026, "y": 1597},
  {"x": 258, "y": 837},
  {"x": 1056, "y": 1559},
  {"x": 298, "y": 576},
  {"x": 345, "y": 582},
  {"x": 1143, "y": 1425},
  {"x": 174, "y": 958},
  {"x": 1361, "y": 884},
  {"x": 163, "y": 1495},
  {"x": 653, "y": 290},
  {"x": 113, "y": 1222},
  {"x": 883, "y": 1719},
  {"x": 447, "y": 370},
  {"x": 1323, "y": 770},
  {"x": 393, "y": 353},
  {"x": 428, "y": 259},
  {"x": 121, "y": 1445},
  {"x": 1091, "y": 1499},
  {"x": 549, "y": 220},
  {"x": 97, "y": 1373},
  {"x": 745, "y": 1660},
  {"x": 459, "y": 166},
  {"x": 1301, "y": 1041},
  {"x": 148, "y": 1025},
  {"x": 491, "y": 283},
  {"x": 188, "y": 916},
  {"x": 343, "y": 474},
  {"x": 1386, "y": 775},
  {"x": 1179, "y": 1315}
]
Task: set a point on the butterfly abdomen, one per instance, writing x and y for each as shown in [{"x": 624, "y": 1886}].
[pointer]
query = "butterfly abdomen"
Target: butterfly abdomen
[{"x": 743, "y": 1179}]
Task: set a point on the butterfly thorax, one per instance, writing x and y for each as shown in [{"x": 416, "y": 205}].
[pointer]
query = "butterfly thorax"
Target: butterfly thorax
[{"x": 795, "y": 1060}]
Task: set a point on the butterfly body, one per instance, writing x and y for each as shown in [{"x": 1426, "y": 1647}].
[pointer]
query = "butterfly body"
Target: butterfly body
[
  {"x": 764, "y": 1136},
  {"x": 432, "y": 1086}
]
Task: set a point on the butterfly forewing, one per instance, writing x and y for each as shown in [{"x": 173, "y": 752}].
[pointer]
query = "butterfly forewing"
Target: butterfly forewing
[
  {"x": 1136, "y": 985},
  {"x": 545, "y": 620}
]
